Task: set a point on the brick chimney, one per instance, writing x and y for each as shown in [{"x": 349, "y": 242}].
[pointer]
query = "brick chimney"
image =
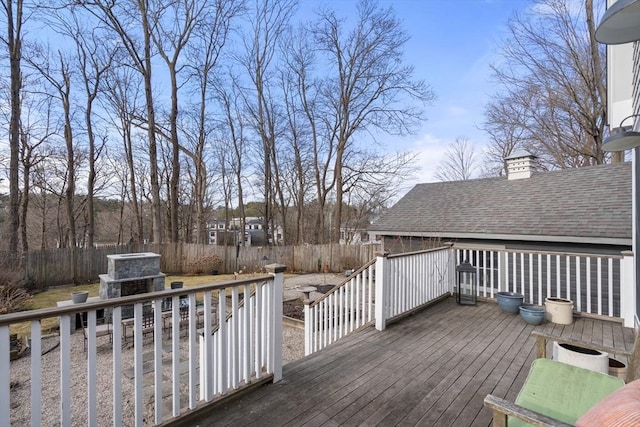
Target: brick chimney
[{"x": 520, "y": 164}]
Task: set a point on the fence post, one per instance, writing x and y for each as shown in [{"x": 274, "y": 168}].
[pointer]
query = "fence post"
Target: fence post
[
  {"x": 627, "y": 289},
  {"x": 381, "y": 294},
  {"x": 277, "y": 271}
]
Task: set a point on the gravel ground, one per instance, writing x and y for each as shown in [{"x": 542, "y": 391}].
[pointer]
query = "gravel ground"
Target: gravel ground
[{"x": 293, "y": 349}]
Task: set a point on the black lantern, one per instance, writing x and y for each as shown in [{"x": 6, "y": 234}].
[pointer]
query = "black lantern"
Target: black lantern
[{"x": 467, "y": 284}]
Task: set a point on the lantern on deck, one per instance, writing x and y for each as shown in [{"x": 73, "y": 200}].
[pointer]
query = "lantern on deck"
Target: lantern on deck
[{"x": 467, "y": 284}]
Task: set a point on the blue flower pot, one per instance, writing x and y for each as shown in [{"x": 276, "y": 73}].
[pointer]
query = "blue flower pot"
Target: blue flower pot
[
  {"x": 510, "y": 302},
  {"x": 532, "y": 314}
]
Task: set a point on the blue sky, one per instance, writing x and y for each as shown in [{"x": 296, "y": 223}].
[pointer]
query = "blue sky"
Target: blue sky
[{"x": 452, "y": 44}]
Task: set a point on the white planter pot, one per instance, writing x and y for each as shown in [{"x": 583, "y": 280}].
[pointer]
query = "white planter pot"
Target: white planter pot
[
  {"x": 593, "y": 360},
  {"x": 559, "y": 310}
]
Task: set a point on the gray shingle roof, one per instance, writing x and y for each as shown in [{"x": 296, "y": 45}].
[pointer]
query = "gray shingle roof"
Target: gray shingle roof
[{"x": 573, "y": 204}]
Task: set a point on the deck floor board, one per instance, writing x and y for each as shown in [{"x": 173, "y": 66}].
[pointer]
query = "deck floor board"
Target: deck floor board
[{"x": 432, "y": 368}]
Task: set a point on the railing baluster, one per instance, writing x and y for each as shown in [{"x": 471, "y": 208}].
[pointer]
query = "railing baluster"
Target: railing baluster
[
  {"x": 157, "y": 359},
  {"x": 36, "y": 373},
  {"x": 371, "y": 293},
  {"x": 484, "y": 274},
  {"x": 558, "y": 277},
  {"x": 549, "y": 276},
  {"x": 522, "y": 292},
  {"x": 540, "y": 299},
  {"x": 193, "y": 321},
  {"x": 578, "y": 287},
  {"x": 65, "y": 369},
  {"x": 247, "y": 350},
  {"x": 222, "y": 342},
  {"x": 258, "y": 331},
  {"x": 234, "y": 332},
  {"x": 610, "y": 294},
  {"x": 568, "y": 275},
  {"x": 116, "y": 319},
  {"x": 492, "y": 271},
  {"x": 138, "y": 382},
  {"x": 599, "y": 285},
  {"x": 357, "y": 297},
  {"x": 92, "y": 376},
  {"x": 175, "y": 352},
  {"x": 531, "y": 300},
  {"x": 588, "y": 273}
]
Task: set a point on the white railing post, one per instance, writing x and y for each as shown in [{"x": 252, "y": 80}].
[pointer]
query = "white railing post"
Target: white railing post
[
  {"x": 308, "y": 330},
  {"x": 380, "y": 301},
  {"x": 277, "y": 270},
  {"x": 452, "y": 276},
  {"x": 627, "y": 289}
]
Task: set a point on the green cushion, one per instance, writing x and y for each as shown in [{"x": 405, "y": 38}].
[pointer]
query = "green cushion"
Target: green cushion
[{"x": 563, "y": 392}]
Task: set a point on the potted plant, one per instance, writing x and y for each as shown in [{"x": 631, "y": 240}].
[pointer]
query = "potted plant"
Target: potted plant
[{"x": 79, "y": 296}]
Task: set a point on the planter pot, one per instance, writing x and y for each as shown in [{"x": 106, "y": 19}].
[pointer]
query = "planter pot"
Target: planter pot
[
  {"x": 559, "y": 310},
  {"x": 586, "y": 358},
  {"x": 510, "y": 302},
  {"x": 79, "y": 297},
  {"x": 617, "y": 368},
  {"x": 532, "y": 314}
]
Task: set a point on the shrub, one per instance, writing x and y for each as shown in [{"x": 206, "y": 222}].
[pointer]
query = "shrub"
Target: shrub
[
  {"x": 205, "y": 265},
  {"x": 13, "y": 298},
  {"x": 13, "y": 294}
]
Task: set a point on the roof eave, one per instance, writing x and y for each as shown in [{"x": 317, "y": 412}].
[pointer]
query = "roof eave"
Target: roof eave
[{"x": 617, "y": 241}]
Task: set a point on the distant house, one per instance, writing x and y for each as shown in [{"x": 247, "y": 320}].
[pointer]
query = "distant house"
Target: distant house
[
  {"x": 354, "y": 233},
  {"x": 222, "y": 234},
  {"x": 215, "y": 230},
  {"x": 578, "y": 210}
]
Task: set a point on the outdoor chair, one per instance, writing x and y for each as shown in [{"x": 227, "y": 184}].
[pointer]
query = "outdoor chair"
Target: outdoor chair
[{"x": 558, "y": 394}]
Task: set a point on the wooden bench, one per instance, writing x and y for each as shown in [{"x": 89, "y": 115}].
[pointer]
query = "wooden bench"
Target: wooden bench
[{"x": 558, "y": 394}]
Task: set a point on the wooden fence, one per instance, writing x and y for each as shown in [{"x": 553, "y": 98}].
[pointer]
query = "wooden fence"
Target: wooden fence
[{"x": 65, "y": 266}]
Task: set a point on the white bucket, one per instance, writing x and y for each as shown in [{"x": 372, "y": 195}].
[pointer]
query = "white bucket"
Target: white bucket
[
  {"x": 593, "y": 360},
  {"x": 559, "y": 310}
]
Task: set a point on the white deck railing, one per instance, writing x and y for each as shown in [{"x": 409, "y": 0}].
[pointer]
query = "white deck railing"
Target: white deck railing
[
  {"x": 597, "y": 284},
  {"x": 385, "y": 288},
  {"x": 240, "y": 343},
  {"x": 341, "y": 311},
  {"x": 411, "y": 280},
  {"x": 600, "y": 284}
]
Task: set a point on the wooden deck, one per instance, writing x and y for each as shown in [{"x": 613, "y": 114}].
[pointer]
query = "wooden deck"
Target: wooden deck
[{"x": 433, "y": 368}]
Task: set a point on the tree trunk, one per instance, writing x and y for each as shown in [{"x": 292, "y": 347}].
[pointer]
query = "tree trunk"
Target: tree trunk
[
  {"x": 14, "y": 41},
  {"x": 156, "y": 204}
]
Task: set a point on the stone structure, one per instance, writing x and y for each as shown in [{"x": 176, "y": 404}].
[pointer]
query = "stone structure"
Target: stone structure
[{"x": 131, "y": 274}]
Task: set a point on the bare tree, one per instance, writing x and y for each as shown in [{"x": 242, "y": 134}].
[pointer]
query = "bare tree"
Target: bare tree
[
  {"x": 203, "y": 54},
  {"x": 552, "y": 78},
  {"x": 36, "y": 129},
  {"x": 13, "y": 11},
  {"x": 267, "y": 26},
  {"x": 123, "y": 89},
  {"x": 370, "y": 87},
  {"x": 124, "y": 19},
  {"x": 94, "y": 60},
  {"x": 459, "y": 163},
  {"x": 234, "y": 123}
]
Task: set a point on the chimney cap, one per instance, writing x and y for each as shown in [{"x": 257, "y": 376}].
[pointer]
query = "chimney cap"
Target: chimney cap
[{"x": 520, "y": 152}]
